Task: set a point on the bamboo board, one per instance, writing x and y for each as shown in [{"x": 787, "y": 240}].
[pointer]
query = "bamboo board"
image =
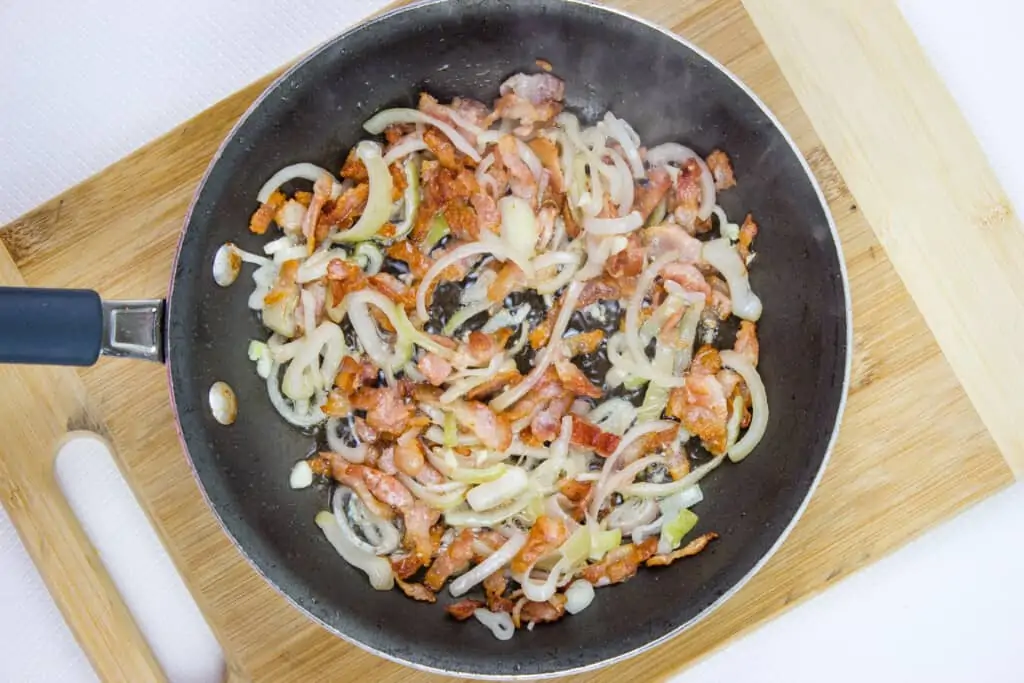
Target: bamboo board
[{"x": 908, "y": 425}]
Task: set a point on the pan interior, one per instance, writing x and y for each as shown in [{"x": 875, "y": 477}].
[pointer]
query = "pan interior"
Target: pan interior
[{"x": 668, "y": 93}]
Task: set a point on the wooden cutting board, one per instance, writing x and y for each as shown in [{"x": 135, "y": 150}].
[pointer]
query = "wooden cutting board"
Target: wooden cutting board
[{"x": 912, "y": 452}]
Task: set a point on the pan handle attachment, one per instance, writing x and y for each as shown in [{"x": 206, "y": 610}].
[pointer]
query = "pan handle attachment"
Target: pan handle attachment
[{"x": 74, "y": 327}]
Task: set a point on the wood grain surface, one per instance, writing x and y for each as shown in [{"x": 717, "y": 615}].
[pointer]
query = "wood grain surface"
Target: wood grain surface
[
  {"x": 912, "y": 450},
  {"x": 923, "y": 182}
]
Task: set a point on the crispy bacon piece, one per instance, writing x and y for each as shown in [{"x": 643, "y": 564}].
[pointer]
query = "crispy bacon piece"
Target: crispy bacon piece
[
  {"x": 667, "y": 237},
  {"x": 748, "y": 231},
  {"x": 409, "y": 454},
  {"x": 343, "y": 211},
  {"x": 405, "y": 564},
  {"x": 582, "y": 343},
  {"x": 700, "y": 404},
  {"x": 337, "y": 404},
  {"x": 688, "y": 276},
  {"x": 480, "y": 348},
  {"x": 620, "y": 563},
  {"x": 692, "y": 548},
  {"x": 419, "y": 518},
  {"x": 344, "y": 277},
  {"x": 454, "y": 560},
  {"x": 394, "y": 289},
  {"x": 721, "y": 169},
  {"x": 545, "y": 536},
  {"x": 510, "y": 278},
  {"x": 630, "y": 261},
  {"x": 463, "y": 609},
  {"x": 353, "y": 168},
  {"x": 416, "y": 591},
  {"x": 494, "y": 588},
  {"x": 442, "y": 148},
  {"x": 418, "y": 262},
  {"x": 547, "y": 152},
  {"x": 576, "y": 491},
  {"x": 522, "y": 180},
  {"x": 503, "y": 379},
  {"x": 543, "y": 612},
  {"x": 687, "y": 195},
  {"x": 352, "y": 476},
  {"x": 353, "y": 374},
  {"x": 435, "y": 368},
  {"x": 385, "y": 409},
  {"x": 487, "y": 215},
  {"x": 530, "y": 99},
  {"x": 262, "y": 217},
  {"x": 492, "y": 429},
  {"x": 677, "y": 463},
  {"x": 547, "y": 421},
  {"x": 746, "y": 342},
  {"x": 313, "y": 229},
  {"x": 589, "y": 435},
  {"x": 650, "y": 194},
  {"x": 573, "y": 379}
]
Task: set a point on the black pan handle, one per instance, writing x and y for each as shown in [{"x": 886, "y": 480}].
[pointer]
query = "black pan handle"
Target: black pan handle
[{"x": 74, "y": 327}]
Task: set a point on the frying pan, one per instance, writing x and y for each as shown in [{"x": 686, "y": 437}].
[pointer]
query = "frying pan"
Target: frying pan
[{"x": 670, "y": 91}]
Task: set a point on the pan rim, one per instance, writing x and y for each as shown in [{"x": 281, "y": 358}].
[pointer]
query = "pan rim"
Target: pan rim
[{"x": 830, "y": 446}]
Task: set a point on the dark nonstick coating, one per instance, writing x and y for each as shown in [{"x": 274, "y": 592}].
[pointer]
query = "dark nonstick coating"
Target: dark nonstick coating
[{"x": 668, "y": 92}]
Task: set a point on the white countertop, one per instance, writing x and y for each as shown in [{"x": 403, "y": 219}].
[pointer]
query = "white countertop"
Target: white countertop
[{"x": 82, "y": 84}]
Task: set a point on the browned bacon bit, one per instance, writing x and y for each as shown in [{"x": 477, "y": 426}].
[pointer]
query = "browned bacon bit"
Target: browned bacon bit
[
  {"x": 344, "y": 277},
  {"x": 650, "y": 194},
  {"x": 454, "y": 560},
  {"x": 398, "y": 182},
  {"x": 746, "y": 342},
  {"x": 543, "y": 612},
  {"x": 599, "y": 289},
  {"x": 405, "y": 565},
  {"x": 687, "y": 195},
  {"x": 435, "y": 368},
  {"x": 677, "y": 463},
  {"x": 492, "y": 429},
  {"x": 547, "y": 152},
  {"x": 385, "y": 410},
  {"x": 692, "y": 548},
  {"x": 524, "y": 184},
  {"x": 620, "y": 563},
  {"x": 575, "y": 490},
  {"x": 503, "y": 379},
  {"x": 463, "y": 609},
  {"x": 395, "y": 132},
  {"x": 589, "y": 435},
  {"x": 418, "y": 262},
  {"x": 394, "y": 289},
  {"x": 701, "y": 408},
  {"x": 494, "y": 588},
  {"x": 353, "y": 374},
  {"x": 303, "y": 198},
  {"x": 387, "y": 489},
  {"x": 354, "y": 169},
  {"x": 364, "y": 432},
  {"x": 545, "y": 536},
  {"x": 462, "y": 220},
  {"x": 547, "y": 422},
  {"x": 479, "y": 349},
  {"x": 583, "y": 343},
  {"x": 262, "y": 217},
  {"x": 343, "y": 211},
  {"x": 419, "y": 519},
  {"x": 721, "y": 170},
  {"x": 313, "y": 229},
  {"x": 385, "y": 462},
  {"x": 630, "y": 261},
  {"x": 687, "y": 276},
  {"x": 661, "y": 239},
  {"x": 748, "y": 231},
  {"x": 531, "y": 99},
  {"x": 442, "y": 148},
  {"x": 337, "y": 404},
  {"x": 573, "y": 379},
  {"x": 546, "y": 389},
  {"x": 409, "y": 455},
  {"x": 416, "y": 591},
  {"x": 351, "y": 476},
  {"x": 510, "y": 278}
]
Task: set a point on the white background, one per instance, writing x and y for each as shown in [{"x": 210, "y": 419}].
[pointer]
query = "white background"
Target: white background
[{"x": 84, "y": 83}]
